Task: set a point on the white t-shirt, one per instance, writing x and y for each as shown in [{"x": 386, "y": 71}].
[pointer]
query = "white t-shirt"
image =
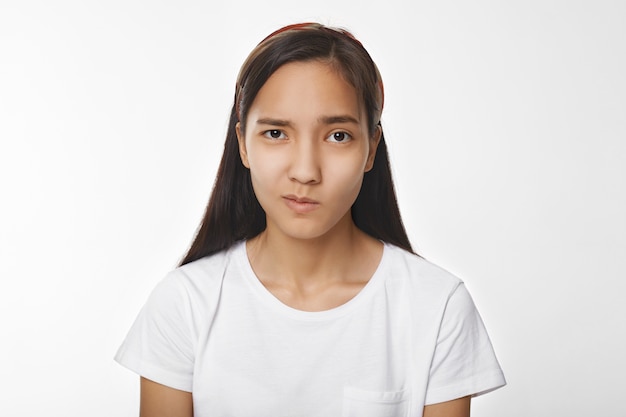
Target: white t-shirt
[{"x": 412, "y": 336}]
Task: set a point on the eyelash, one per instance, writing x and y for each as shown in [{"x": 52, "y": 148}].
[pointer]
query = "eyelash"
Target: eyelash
[
  {"x": 268, "y": 134},
  {"x": 346, "y": 136}
]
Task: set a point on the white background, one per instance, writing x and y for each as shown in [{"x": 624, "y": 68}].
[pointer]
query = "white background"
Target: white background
[{"x": 506, "y": 123}]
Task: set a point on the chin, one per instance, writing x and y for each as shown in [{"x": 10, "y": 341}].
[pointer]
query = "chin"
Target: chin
[
  {"x": 307, "y": 229},
  {"x": 304, "y": 233}
]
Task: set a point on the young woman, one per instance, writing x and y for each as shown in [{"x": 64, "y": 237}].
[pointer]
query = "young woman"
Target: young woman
[{"x": 301, "y": 295}]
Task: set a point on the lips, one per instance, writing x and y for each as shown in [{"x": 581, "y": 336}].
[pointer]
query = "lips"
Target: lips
[{"x": 299, "y": 204}]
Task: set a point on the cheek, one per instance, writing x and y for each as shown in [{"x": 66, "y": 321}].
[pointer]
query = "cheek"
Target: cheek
[
  {"x": 261, "y": 162},
  {"x": 265, "y": 174},
  {"x": 345, "y": 178},
  {"x": 261, "y": 175}
]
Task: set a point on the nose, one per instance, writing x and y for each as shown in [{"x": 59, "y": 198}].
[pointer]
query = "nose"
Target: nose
[{"x": 304, "y": 165}]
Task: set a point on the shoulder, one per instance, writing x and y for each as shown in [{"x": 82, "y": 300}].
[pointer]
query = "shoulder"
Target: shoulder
[
  {"x": 210, "y": 269},
  {"x": 416, "y": 273},
  {"x": 197, "y": 282}
]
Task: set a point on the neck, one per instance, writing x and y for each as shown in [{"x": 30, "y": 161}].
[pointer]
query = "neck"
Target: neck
[{"x": 304, "y": 262}]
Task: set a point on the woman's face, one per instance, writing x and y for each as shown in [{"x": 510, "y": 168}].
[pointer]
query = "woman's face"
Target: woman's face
[{"x": 307, "y": 146}]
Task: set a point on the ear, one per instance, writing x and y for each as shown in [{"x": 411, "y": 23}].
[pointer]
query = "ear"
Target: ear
[
  {"x": 243, "y": 152},
  {"x": 374, "y": 141}
]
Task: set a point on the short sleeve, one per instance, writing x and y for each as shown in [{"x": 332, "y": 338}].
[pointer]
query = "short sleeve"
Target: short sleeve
[
  {"x": 464, "y": 362},
  {"x": 159, "y": 345}
]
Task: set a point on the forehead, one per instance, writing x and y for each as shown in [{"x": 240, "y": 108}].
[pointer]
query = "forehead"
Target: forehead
[{"x": 301, "y": 89}]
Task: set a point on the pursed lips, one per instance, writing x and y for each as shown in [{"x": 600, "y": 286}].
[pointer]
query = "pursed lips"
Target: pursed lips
[{"x": 300, "y": 204}]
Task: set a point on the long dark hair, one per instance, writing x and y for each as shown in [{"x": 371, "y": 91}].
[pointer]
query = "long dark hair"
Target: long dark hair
[{"x": 233, "y": 212}]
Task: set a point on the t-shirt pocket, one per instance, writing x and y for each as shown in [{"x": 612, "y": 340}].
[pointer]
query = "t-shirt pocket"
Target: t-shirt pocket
[{"x": 361, "y": 403}]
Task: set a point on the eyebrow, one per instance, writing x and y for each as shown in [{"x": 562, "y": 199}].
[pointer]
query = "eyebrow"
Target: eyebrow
[
  {"x": 273, "y": 122},
  {"x": 330, "y": 120},
  {"x": 327, "y": 120}
]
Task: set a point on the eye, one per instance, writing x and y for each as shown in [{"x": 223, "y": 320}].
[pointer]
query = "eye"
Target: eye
[
  {"x": 274, "y": 134},
  {"x": 340, "y": 137}
]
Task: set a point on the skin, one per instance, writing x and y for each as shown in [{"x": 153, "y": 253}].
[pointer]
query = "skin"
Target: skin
[
  {"x": 160, "y": 401},
  {"x": 455, "y": 408},
  {"x": 307, "y": 145},
  {"x": 311, "y": 257}
]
